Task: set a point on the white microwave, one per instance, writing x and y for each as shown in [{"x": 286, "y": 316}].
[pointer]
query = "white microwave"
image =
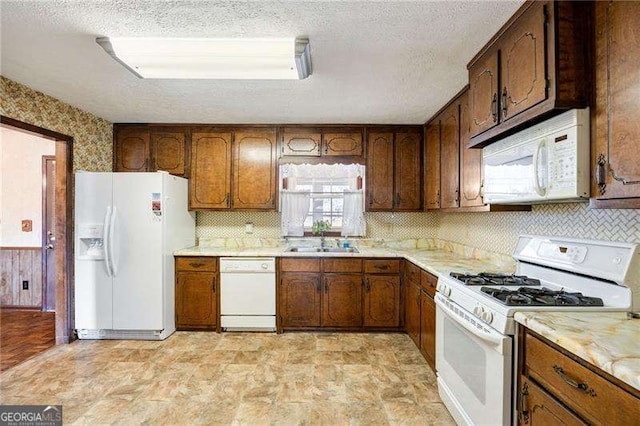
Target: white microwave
[{"x": 548, "y": 162}]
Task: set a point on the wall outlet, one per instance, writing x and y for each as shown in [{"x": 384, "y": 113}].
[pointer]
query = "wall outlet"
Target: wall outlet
[
  {"x": 248, "y": 227},
  {"x": 25, "y": 285}
]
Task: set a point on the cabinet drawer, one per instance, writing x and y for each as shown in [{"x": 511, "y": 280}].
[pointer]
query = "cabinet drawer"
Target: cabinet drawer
[
  {"x": 412, "y": 272},
  {"x": 428, "y": 282},
  {"x": 382, "y": 266},
  {"x": 342, "y": 265},
  {"x": 299, "y": 265},
  {"x": 202, "y": 264},
  {"x": 587, "y": 393}
]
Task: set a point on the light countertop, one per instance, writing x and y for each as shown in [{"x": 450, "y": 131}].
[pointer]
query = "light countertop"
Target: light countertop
[
  {"x": 433, "y": 260},
  {"x": 608, "y": 340}
]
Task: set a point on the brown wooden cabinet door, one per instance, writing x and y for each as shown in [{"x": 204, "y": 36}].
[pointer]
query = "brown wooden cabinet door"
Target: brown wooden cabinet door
[
  {"x": 168, "y": 151},
  {"x": 301, "y": 142},
  {"x": 470, "y": 162},
  {"x": 412, "y": 311},
  {"x": 615, "y": 154},
  {"x": 522, "y": 63},
  {"x": 132, "y": 149},
  {"x": 407, "y": 171},
  {"x": 346, "y": 143},
  {"x": 483, "y": 93},
  {"x": 382, "y": 301},
  {"x": 254, "y": 171},
  {"x": 342, "y": 300},
  {"x": 450, "y": 156},
  {"x": 536, "y": 407},
  {"x": 300, "y": 300},
  {"x": 379, "y": 171},
  {"x": 210, "y": 182},
  {"x": 432, "y": 165},
  {"x": 196, "y": 300},
  {"x": 428, "y": 329}
]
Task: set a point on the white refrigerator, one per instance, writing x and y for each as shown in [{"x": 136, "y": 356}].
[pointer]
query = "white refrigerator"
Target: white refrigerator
[{"x": 127, "y": 226}]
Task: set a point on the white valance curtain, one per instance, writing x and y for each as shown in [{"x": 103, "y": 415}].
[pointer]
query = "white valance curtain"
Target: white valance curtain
[
  {"x": 293, "y": 172},
  {"x": 295, "y": 207}
]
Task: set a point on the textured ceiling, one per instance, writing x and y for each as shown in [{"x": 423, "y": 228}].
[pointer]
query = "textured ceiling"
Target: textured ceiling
[{"x": 373, "y": 61}]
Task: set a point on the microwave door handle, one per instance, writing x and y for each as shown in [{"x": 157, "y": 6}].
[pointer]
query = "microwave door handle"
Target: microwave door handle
[
  {"x": 536, "y": 172},
  {"x": 496, "y": 340}
]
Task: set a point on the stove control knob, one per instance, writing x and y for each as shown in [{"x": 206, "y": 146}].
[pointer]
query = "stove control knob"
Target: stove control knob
[
  {"x": 478, "y": 311},
  {"x": 487, "y": 317},
  {"x": 447, "y": 291}
]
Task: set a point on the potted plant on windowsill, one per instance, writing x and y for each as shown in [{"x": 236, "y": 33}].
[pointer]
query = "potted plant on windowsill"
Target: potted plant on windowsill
[{"x": 319, "y": 228}]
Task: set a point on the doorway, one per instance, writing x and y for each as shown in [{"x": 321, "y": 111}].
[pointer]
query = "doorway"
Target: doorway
[{"x": 49, "y": 315}]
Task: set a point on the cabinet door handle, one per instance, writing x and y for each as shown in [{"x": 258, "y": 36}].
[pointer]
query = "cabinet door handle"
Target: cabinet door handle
[
  {"x": 383, "y": 267},
  {"x": 213, "y": 287},
  {"x": 457, "y": 198},
  {"x": 504, "y": 102},
  {"x": 600, "y": 174},
  {"x": 524, "y": 412},
  {"x": 146, "y": 164},
  {"x": 583, "y": 387},
  {"x": 494, "y": 108},
  {"x": 196, "y": 265},
  {"x": 228, "y": 199}
]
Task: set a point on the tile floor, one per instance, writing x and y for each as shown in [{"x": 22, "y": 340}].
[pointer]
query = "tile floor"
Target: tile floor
[{"x": 234, "y": 378}]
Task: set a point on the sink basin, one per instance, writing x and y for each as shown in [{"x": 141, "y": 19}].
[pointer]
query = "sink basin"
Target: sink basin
[
  {"x": 303, "y": 249},
  {"x": 319, "y": 250},
  {"x": 340, "y": 249}
]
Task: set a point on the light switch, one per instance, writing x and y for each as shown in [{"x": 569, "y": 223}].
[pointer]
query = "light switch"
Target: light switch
[
  {"x": 248, "y": 227},
  {"x": 27, "y": 225}
]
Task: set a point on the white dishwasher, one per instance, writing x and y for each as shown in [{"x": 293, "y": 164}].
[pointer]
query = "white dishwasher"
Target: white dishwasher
[{"x": 248, "y": 293}]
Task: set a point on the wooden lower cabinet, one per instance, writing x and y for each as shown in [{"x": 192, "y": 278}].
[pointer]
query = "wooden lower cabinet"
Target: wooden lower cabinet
[
  {"x": 428, "y": 328},
  {"x": 556, "y": 387},
  {"x": 196, "y": 300},
  {"x": 300, "y": 300},
  {"x": 412, "y": 311},
  {"x": 381, "y": 300},
  {"x": 539, "y": 408},
  {"x": 342, "y": 300}
]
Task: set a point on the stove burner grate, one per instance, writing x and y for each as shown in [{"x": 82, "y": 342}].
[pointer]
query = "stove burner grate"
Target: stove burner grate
[
  {"x": 526, "y": 296},
  {"x": 485, "y": 278}
]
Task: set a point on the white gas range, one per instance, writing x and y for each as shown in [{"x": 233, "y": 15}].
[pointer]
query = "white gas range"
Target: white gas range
[{"x": 474, "y": 317}]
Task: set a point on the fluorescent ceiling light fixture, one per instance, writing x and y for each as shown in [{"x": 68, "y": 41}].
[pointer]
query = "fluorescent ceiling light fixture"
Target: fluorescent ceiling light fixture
[{"x": 212, "y": 58}]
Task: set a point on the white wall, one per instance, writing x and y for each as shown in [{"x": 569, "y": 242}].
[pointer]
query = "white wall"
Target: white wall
[{"x": 21, "y": 186}]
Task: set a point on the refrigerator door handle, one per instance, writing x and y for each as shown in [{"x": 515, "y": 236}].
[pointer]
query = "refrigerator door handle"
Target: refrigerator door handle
[
  {"x": 107, "y": 241},
  {"x": 112, "y": 255}
]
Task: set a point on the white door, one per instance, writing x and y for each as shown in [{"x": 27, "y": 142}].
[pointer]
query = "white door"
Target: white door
[
  {"x": 93, "y": 285},
  {"x": 137, "y": 257}
]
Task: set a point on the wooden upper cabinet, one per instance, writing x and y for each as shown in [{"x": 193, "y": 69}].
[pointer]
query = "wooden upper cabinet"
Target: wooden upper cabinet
[
  {"x": 536, "y": 65},
  {"x": 342, "y": 143},
  {"x": 483, "y": 93},
  {"x": 522, "y": 68},
  {"x": 408, "y": 170},
  {"x": 615, "y": 153},
  {"x": 379, "y": 171},
  {"x": 470, "y": 162},
  {"x": 450, "y": 156},
  {"x": 342, "y": 300},
  {"x": 168, "y": 151},
  {"x": 210, "y": 182},
  {"x": 301, "y": 142},
  {"x": 432, "y": 165},
  {"x": 254, "y": 171},
  {"x": 131, "y": 149}
]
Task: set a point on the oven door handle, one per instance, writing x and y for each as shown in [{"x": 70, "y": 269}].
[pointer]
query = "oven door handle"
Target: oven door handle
[{"x": 488, "y": 337}]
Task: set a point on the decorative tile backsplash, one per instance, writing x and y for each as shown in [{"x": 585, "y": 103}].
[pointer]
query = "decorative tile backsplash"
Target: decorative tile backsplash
[
  {"x": 498, "y": 232},
  {"x": 267, "y": 225},
  {"x": 92, "y": 136}
]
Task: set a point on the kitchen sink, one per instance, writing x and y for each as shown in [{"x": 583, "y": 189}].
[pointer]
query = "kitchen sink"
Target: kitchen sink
[{"x": 321, "y": 250}]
